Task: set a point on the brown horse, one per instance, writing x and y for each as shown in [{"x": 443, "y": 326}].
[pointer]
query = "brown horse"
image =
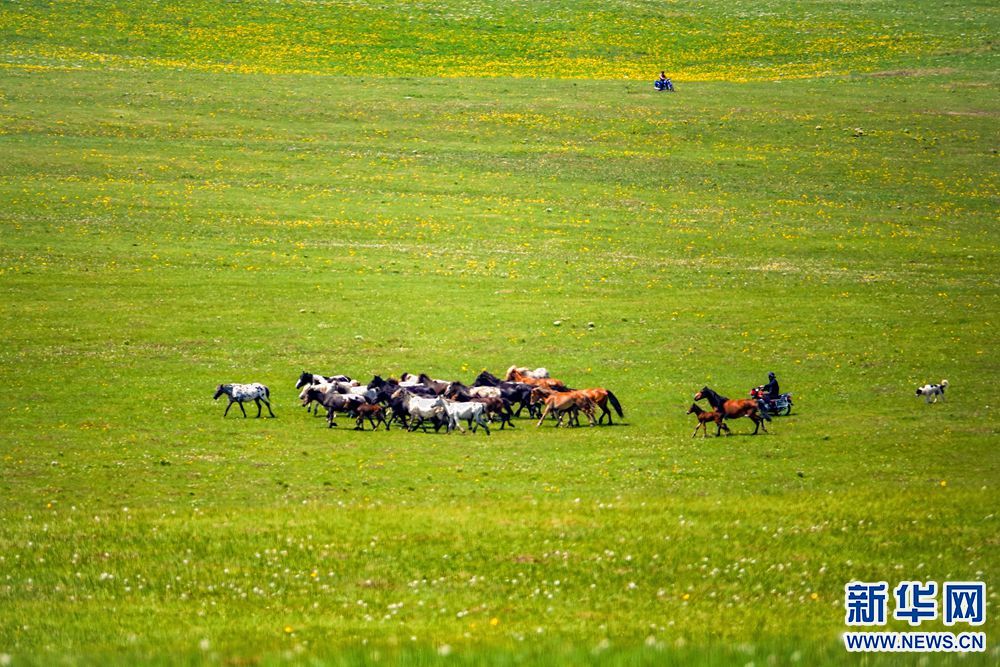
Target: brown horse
[
  {"x": 373, "y": 412},
  {"x": 601, "y": 397},
  {"x": 514, "y": 375},
  {"x": 734, "y": 408},
  {"x": 704, "y": 417},
  {"x": 562, "y": 402}
]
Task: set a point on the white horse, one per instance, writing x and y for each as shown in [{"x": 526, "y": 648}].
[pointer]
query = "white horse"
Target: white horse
[
  {"x": 485, "y": 392},
  {"x": 356, "y": 389},
  {"x": 238, "y": 393},
  {"x": 422, "y": 408},
  {"x": 538, "y": 373},
  {"x": 409, "y": 380},
  {"x": 471, "y": 412}
]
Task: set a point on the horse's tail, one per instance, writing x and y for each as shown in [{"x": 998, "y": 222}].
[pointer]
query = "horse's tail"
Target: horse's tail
[
  {"x": 617, "y": 406},
  {"x": 267, "y": 392}
]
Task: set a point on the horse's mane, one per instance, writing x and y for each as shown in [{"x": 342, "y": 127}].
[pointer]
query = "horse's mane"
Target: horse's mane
[
  {"x": 489, "y": 378},
  {"x": 706, "y": 391}
]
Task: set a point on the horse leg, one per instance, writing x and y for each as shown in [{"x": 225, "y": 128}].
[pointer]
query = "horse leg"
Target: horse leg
[
  {"x": 240, "y": 403},
  {"x": 257, "y": 402},
  {"x": 227, "y": 408},
  {"x": 268, "y": 404},
  {"x": 759, "y": 420},
  {"x": 544, "y": 413}
]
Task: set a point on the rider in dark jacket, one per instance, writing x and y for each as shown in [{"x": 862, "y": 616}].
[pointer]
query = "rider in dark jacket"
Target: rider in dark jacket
[{"x": 771, "y": 390}]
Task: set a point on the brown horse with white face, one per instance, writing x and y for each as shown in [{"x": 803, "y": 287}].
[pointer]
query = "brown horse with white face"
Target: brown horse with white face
[{"x": 734, "y": 408}]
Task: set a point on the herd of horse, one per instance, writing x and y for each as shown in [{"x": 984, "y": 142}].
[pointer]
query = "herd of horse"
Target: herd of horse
[{"x": 418, "y": 401}]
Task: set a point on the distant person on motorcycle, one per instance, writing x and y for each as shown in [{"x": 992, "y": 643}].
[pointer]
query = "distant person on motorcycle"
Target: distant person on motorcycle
[
  {"x": 663, "y": 83},
  {"x": 770, "y": 389}
]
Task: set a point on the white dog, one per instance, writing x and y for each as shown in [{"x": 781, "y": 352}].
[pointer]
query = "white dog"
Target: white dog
[{"x": 930, "y": 392}]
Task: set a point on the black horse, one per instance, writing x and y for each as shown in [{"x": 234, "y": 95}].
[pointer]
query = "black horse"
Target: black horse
[{"x": 517, "y": 393}]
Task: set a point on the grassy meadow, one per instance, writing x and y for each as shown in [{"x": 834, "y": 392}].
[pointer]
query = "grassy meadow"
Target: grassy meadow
[{"x": 194, "y": 193}]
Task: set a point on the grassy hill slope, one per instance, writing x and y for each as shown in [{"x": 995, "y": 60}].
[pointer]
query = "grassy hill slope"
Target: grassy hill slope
[{"x": 196, "y": 193}]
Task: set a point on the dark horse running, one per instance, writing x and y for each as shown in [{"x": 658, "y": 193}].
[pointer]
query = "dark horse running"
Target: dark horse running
[{"x": 734, "y": 408}]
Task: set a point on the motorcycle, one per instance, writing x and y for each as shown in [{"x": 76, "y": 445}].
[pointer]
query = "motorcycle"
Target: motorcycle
[{"x": 775, "y": 406}]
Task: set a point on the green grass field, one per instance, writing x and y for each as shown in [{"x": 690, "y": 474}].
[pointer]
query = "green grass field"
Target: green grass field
[{"x": 194, "y": 193}]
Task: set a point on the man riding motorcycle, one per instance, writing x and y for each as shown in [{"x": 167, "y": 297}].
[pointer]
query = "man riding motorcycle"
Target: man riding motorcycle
[
  {"x": 769, "y": 396},
  {"x": 770, "y": 389}
]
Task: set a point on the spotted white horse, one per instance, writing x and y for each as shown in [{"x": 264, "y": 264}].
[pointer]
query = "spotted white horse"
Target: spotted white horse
[{"x": 239, "y": 393}]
